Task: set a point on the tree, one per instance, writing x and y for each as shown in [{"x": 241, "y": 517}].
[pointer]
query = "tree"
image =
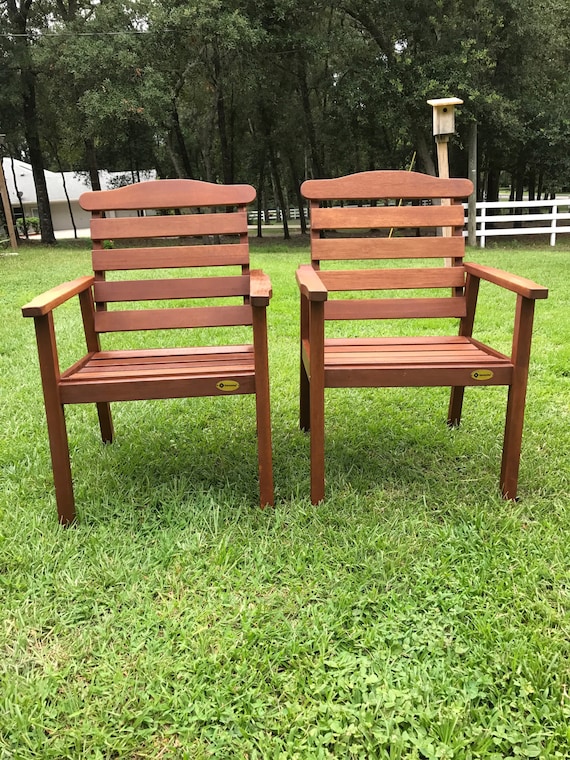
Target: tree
[{"x": 16, "y": 20}]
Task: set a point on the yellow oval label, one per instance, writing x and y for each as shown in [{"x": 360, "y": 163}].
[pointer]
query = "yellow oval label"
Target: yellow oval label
[
  {"x": 227, "y": 385},
  {"x": 482, "y": 374}
]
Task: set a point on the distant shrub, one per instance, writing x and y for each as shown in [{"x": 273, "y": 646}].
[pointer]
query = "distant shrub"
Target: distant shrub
[{"x": 32, "y": 225}]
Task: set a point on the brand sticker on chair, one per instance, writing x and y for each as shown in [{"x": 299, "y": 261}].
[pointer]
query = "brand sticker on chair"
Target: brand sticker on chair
[
  {"x": 227, "y": 385},
  {"x": 482, "y": 374}
]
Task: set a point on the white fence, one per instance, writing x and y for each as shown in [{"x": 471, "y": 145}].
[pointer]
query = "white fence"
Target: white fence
[{"x": 522, "y": 218}]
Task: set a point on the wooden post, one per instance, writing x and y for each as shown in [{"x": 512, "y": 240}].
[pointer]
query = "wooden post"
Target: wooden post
[
  {"x": 443, "y": 127},
  {"x": 7, "y": 206},
  {"x": 472, "y": 207}
]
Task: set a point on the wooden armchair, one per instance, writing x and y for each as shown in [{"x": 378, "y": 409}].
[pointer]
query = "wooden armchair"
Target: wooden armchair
[
  {"x": 124, "y": 375},
  {"x": 458, "y": 360}
]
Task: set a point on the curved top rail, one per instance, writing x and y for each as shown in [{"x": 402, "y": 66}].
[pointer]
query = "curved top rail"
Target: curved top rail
[
  {"x": 167, "y": 193},
  {"x": 385, "y": 184}
]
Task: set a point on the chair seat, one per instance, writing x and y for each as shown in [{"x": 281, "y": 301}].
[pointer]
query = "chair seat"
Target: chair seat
[
  {"x": 160, "y": 373},
  {"x": 422, "y": 361}
]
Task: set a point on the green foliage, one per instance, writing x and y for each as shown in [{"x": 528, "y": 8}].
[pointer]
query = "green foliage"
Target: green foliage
[
  {"x": 32, "y": 225},
  {"x": 276, "y": 91}
]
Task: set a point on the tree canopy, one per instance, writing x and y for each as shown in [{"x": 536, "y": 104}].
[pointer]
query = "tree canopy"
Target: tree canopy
[{"x": 273, "y": 91}]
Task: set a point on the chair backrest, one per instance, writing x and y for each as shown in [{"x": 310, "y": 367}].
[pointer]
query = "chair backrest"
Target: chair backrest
[
  {"x": 381, "y": 216},
  {"x": 155, "y": 225}
]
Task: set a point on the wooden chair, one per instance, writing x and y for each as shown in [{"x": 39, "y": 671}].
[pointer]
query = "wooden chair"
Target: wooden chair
[
  {"x": 124, "y": 375},
  {"x": 456, "y": 361}
]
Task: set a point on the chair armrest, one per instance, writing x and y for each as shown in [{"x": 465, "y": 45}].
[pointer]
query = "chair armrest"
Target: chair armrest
[
  {"x": 513, "y": 282},
  {"x": 311, "y": 284},
  {"x": 46, "y": 302},
  {"x": 259, "y": 288}
]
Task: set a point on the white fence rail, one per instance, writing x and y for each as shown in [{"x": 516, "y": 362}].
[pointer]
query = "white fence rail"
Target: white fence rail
[{"x": 522, "y": 218}]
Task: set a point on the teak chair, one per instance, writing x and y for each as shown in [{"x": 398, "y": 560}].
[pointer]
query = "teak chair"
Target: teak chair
[
  {"x": 456, "y": 361},
  {"x": 124, "y": 375}
]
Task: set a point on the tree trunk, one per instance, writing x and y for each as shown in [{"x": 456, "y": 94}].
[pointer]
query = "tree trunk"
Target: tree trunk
[
  {"x": 260, "y": 184},
  {"x": 318, "y": 168},
  {"x": 424, "y": 153},
  {"x": 493, "y": 178},
  {"x": 18, "y": 18},
  {"x": 92, "y": 164},
  {"x": 225, "y": 149},
  {"x": 31, "y": 131},
  {"x": 60, "y": 167},
  {"x": 177, "y": 146},
  {"x": 300, "y": 203},
  {"x": 532, "y": 185}
]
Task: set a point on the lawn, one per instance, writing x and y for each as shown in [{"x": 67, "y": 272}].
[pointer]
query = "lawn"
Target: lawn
[{"x": 414, "y": 614}]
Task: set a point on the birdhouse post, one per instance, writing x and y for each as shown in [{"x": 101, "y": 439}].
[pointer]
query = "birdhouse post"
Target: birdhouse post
[{"x": 443, "y": 127}]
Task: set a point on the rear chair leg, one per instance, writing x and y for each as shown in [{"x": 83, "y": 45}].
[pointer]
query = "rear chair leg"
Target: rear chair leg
[
  {"x": 455, "y": 406},
  {"x": 305, "y": 400},
  {"x": 105, "y": 421}
]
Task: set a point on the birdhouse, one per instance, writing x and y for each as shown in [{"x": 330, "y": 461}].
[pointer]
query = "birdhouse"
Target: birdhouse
[{"x": 444, "y": 115}]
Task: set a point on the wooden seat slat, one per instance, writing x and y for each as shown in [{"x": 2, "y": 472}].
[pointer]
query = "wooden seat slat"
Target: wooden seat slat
[
  {"x": 339, "y": 249},
  {"x": 169, "y": 319},
  {"x": 170, "y": 257},
  {"x": 114, "y": 373},
  {"x": 385, "y": 217},
  {"x": 395, "y": 308},
  {"x": 152, "y": 290},
  {"x": 403, "y": 340},
  {"x": 159, "y": 353},
  {"x": 393, "y": 279},
  {"x": 96, "y": 364},
  {"x": 122, "y": 228}
]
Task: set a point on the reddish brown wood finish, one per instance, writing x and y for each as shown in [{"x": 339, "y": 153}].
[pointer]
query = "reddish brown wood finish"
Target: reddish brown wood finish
[
  {"x": 102, "y": 377},
  {"x": 456, "y": 361}
]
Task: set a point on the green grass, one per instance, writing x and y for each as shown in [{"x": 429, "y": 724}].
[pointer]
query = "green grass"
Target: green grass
[{"x": 415, "y": 614}]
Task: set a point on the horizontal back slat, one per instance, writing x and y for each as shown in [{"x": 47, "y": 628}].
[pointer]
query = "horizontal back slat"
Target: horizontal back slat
[
  {"x": 150, "y": 290},
  {"x": 331, "y": 249},
  {"x": 162, "y": 319},
  {"x": 169, "y": 226},
  {"x": 386, "y": 217},
  {"x": 395, "y": 308},
  {"x": 393, "y": 279},
  {"x": 170, "y": 257}
]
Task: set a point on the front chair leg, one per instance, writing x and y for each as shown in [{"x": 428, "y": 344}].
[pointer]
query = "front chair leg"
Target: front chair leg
[
  {"x": 513, "y": 439},
  {"x": 59, "y": 449},
  {"x": 317, "y": 401}
]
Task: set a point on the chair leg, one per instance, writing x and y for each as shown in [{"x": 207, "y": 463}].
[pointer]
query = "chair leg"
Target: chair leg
[
  {"x": 317, "y": 402},
  {"x": 264, "y": 450},
  {"x": 317, "y": 442},
  {"x": 513, "y": 437},
  {"x": 262, "y": 408},
  {"x": 517, "y": 397},
  {"x": 105, "y": 422},
  {"x": 304, "y": 399},
  {"x": 455, "y": 406},
  {"x": 59, "y": 449}
]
